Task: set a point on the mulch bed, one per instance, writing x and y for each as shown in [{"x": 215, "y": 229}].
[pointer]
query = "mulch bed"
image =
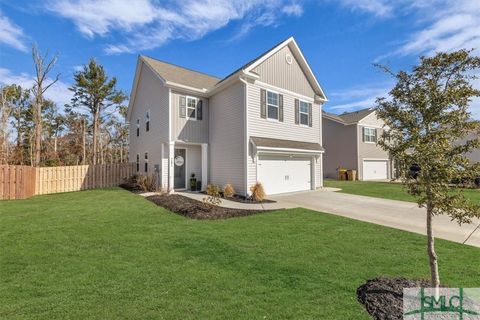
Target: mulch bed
[
  {"x": 195, "y": 209},
  {"x": 132, "y": 187},
  {"x": 242, "y": 199},
  {"x": 383, "y": 297}
]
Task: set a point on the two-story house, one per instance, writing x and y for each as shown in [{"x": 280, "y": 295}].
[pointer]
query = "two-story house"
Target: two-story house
[
  {"x": 350, "y": 141},
  {"x": 262, "y": 123}
]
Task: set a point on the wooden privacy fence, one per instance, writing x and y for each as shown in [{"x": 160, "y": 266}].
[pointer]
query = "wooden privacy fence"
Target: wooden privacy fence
[
  {"x": 17, "y": 182},
  {"x": 45, "y": 180}
]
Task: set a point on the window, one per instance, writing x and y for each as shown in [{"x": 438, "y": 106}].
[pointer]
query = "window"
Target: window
[
  {"x": 146, "y": 161},
  {"x": 138, "y": 162},
  {"x": 138, "y": 127},
  {"x": 369, "y": 135},
  {"x": 272, "y": 105},
  {"x": 304, "y": 113},
  {"x": 191, "y": 107},
  {"x": 147, "y": 121}
]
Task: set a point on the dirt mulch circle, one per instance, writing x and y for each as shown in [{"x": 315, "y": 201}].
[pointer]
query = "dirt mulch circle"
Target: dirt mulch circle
[
  {"x": 383, "y": 297},
  {"x": 195, "y": 209}
]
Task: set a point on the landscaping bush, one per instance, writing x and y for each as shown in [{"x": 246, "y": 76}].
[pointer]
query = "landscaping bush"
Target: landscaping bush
[
  {"x": 213, "y": 196},
  {"x": 147, "y": 182},
  {"x": 228, "y": 191},
  {"x": 258, "y": 193}
]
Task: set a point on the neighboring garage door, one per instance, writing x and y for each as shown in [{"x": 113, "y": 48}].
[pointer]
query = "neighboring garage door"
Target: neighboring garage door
[
  {"x": 375, "y": 169},
  {"x": 280, "y": 174}
]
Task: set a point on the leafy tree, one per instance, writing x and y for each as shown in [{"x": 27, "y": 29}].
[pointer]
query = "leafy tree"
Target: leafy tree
[
  {"x": 429, "y": 125},
  {"x": 96, "y": 94}
]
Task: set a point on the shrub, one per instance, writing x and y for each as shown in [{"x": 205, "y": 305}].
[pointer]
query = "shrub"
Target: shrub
[
  {"x": 258, "y": 194},
  {"x": 147, "y": 182},
  {"x": 213, "y": 195},
  {"x": 228, "y": 191}
]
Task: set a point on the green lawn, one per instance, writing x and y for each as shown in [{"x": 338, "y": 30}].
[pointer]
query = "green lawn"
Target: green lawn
[
  {"x": 109, "y": 254},
  {"x": 387, "y": 190}
]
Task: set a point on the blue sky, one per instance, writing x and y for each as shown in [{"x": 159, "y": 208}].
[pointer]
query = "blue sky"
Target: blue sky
[{"x": 341, "y": 39}]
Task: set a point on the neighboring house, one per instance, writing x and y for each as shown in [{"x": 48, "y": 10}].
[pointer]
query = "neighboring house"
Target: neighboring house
[
  {"x": 350, "y": 142},
  {"x": 260, "y": 123}
]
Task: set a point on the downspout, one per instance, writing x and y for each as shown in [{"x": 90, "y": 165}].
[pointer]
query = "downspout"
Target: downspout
[{"x": 246, "y": 139}]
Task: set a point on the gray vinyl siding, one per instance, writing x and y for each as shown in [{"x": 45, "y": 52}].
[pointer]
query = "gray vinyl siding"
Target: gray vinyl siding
[
  {"x": 151, "y": 95},
  {"x": 288, "y": 130},
  {"x": 188, "y": 130},
  {"x": 370, "y": 150},
  {"x": 277, "y": 72},
  {"x": 227, "y": 138},
  {"x": 340, "y": 143}
]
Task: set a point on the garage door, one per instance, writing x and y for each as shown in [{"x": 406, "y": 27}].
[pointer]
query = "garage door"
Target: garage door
[
  {"x": 375, "y": 169},
  {"x": 280, "y": 174}
]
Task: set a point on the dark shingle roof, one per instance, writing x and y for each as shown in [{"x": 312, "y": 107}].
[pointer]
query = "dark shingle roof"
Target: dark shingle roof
[
  {"x": 286, "y": 144},
  {"x": 180, "y": 75},
  {"x": 350, "y": 117}
]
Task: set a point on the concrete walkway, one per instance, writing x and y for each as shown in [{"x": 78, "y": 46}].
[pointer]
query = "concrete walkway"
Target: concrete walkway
[{"x": 396, "y": 214}]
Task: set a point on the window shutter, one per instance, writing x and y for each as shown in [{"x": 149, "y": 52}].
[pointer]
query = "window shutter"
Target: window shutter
[
  {"x": 376, "y": 134},
  {"x": 280, "y": 107},
  {"x": 363, "y": 134},
  {"x": 296, "y": 111},
  {"x": 199, "y": 109},
  {"x": 310, "y": 122},
  {"x": 182, "y": 107},
  {"x": 263, "y": 103}
]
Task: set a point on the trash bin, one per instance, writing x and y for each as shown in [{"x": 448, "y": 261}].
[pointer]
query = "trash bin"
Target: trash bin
[
  {"x": 352, "y": 175},
  {"x": 342, "y": 174}
]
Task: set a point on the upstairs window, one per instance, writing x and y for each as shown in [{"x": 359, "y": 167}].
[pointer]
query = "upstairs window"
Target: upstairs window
[
  {"x": 138, "y": 127},
  {"x": 272, "y": 105},
  {"x": 147, "y": 121},
  {"x": 191, "y": 108},
  {"x": 304, "y": 113},
  {"x": 146, "y": 161},
  {"x": 369, "y": 135},
  {"x": 138, "y": 162}
]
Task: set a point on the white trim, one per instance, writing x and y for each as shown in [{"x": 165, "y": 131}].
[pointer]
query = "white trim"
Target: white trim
[
  {"x": 186, "y": 107},
  {"x": 284, "y": 91},
  {"x": 374, "y": 159},
  {"x": 303, "y": 63},
  {"x": 204, "y": 165},
  {"x": 287, "y": 150},
  {"x": 269, "y": 104},
  {"x": 184, "y": 87},
  {"x": 246, "y": 137},
  {"x": 300, "y": 113},
  {"x": 171, "y": 153},
  {"x": 369, "y": 126}
]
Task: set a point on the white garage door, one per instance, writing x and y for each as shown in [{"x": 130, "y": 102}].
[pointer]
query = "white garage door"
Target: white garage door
[
  {"x": 280, "y": 174},
  {"x": 375, "y": 169}
]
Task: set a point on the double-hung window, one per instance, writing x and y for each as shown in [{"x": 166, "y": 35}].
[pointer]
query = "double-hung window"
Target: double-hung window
[
  {"x": 369, "y": 135},
  {"x": 304, "y": 113},
  {"x": 191, "y": 108},
  {"x": 147, "y": 121},
  {"x": 272, "y": 105},
  {"x": 138, "y": 127}
]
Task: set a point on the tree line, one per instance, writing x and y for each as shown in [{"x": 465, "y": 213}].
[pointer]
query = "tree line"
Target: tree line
[{"x": 91, "y": 129}]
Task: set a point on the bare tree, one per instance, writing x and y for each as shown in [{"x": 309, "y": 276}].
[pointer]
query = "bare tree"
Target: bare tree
[
  {"x": 43, "y": 66},
  {"x": 5, "y": 110}
]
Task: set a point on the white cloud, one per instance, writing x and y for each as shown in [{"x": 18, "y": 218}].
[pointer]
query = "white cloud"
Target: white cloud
[
  {"x": 293, "y": 9},
  {"x": 58, "y": 93},
  {"x": 379, "y": 8},
  {"x": 357, "y": 98},
  {"x": 149, "y": 24},
  {"x": 11, "y": 34}
]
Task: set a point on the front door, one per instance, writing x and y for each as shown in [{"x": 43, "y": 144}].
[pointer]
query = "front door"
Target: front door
[{"x": 179, "y": 171}]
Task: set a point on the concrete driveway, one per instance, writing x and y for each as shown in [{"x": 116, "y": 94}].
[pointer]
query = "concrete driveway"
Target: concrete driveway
[{"x": 396, "y": 214}]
